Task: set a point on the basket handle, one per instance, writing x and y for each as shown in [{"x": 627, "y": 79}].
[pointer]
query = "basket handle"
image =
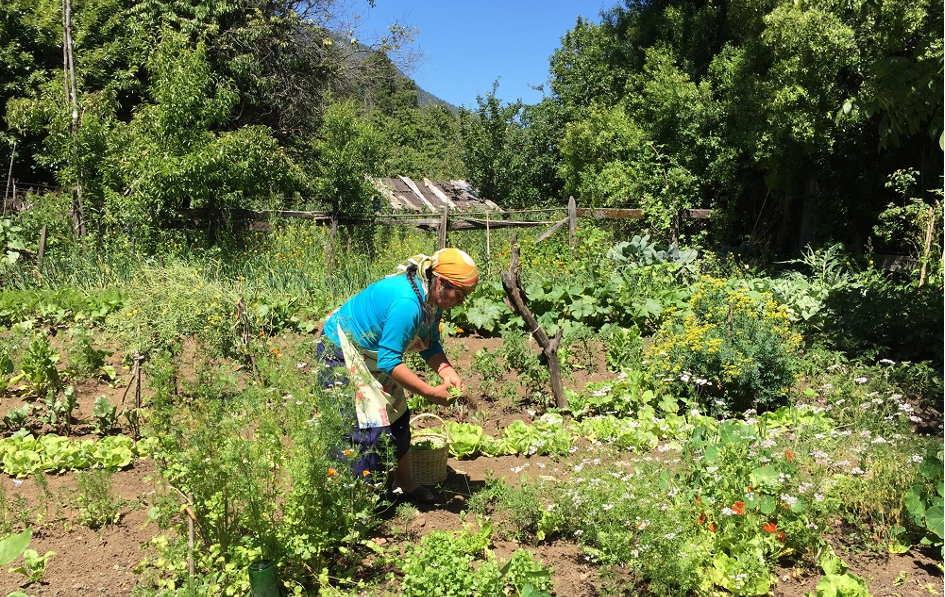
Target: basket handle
[{"x": 442, "y": 423}]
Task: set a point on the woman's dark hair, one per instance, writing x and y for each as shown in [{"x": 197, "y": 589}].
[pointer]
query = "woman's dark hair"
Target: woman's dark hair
[{"x": 429, "y": 311}]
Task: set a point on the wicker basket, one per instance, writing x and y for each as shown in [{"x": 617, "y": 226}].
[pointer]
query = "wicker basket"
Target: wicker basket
[{"x": 428, "y": 465}]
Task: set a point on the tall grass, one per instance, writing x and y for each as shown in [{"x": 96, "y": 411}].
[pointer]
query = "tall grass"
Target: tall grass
[{"x": 299, "y": 258}]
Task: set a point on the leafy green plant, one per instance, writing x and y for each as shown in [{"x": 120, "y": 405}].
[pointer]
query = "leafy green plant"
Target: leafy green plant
[
  {"x": 487, "y": 364},
  {"x": 518, "y": 508},
  {"x": 85, "y": 359},
  {"x": 754, "y": 500},
  {"x": 632, "y": 390},
  {"x": 837, "y": 582},
  {"x": 38, "y": 368},
  {"x": 6, "y": 368},
  {"x": 17, "y": 417},
  {"x": 12, "y": 245},
  {"x": 517, "y": 355},
  {"x": 163, "y": 305},
  {"x": 455, "y": 564},
  {"x": 59, "y": 409},
  {"x": 105, "y": 413},
  {"x": 23, "y": 454},
  {"x": 34, "y": 565},
  {"x": 624, "y": 347},
  {"x": 13, "y": 545},
  {"x": 924, "y": 501}
]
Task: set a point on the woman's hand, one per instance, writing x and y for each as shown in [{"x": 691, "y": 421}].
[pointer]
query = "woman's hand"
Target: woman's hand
[
  {"x": 440, "y": 395},
  {"x": 451, "y": 378}
]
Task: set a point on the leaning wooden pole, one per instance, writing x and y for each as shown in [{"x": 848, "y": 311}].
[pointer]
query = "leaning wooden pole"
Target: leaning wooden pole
[
  {"x": 549, "y": 347},
  {"x": 68, "y": 65}
]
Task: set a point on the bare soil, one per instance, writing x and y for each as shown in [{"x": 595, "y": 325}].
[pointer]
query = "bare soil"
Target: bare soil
[{"x": 104, "y": 562}]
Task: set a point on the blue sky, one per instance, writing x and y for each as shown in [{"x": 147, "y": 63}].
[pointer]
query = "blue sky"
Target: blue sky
[{"x": 466, "y": 45}]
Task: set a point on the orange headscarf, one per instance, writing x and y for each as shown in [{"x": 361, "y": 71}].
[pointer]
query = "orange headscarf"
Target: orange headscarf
[{"x": 456, "y": 267}]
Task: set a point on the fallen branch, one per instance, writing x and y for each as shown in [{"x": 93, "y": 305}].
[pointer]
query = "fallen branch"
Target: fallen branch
[{"x": 549, "y": 347}]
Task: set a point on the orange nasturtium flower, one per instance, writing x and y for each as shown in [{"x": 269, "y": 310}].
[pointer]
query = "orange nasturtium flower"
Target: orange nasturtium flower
[
  {"x": 738, "y": 507},
  {"x": 789, "y": 455},
  {"x": 348, "y": 452},
  {"x": 365, "y": 473},
  {"x": 712, "y": 526},
  {"x": 770, "y": 527},
  {"x": 781, "y": 536},
  {"x": 332, "y": 472},
  {"x": 702, "y": 518}
]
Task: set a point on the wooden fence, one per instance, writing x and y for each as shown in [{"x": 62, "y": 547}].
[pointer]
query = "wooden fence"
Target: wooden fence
[{"x": 447, "y": 220}]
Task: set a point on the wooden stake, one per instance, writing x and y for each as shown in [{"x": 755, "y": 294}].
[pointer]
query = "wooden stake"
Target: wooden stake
[
  {"x": 42, "y": 249},
  {"x": 488, "y": 247},
  {"x": 444, "y": 224},
  {"x": 572, "y": 220}
]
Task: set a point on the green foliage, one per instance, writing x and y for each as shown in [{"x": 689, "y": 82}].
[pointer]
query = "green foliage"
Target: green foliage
[
  {"x": 423, "y": 143},
  {"x": 17, "y": 417},
  {"x": 912, "y": 224},
  {"x": 624, "y": 347},
  {"x": 733, "y": 349},
  {"x": 57, "y": 307},
  {"x": 34, "y": 565},
  {"x": 346, "y": 150},
  {"x": 620, "y": 512},
  {"x": 924, "y": 501},
  {"x": 12, "y": 546},
  {"x": 11, "y": 244},
  {"x": 38, "y": 369},
  {"x": 608, "y": 160},
  {"x": 23, "y": 454},
  {"x": 105, "y": 414},
  {"x": 265, "y": 473},
  {"x": 59, "y": 409},
  {"x": 460, "y": 563},
  {"x": 510, "y": 151},
  {"x": 98, "y": 506},
  {"x": 166, "y": 304},
  {"x": 84, "y": 358},
  {"x": 837, "y": 582},
  {"x": 517, "y": 508}
]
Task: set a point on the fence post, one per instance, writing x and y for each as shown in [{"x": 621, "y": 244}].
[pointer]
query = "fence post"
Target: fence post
[
  {"x": 444, "y": 222},
  {"x": 488, "y": 247},
  {"x": 42, "y": 249},
  {"x": 572, "y": 220}
]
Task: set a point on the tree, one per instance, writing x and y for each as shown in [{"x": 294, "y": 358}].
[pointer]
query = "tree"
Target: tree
[{"x": 509, "y": 151}]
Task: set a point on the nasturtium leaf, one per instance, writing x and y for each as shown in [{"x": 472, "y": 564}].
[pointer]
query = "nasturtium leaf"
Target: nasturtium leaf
[{"x": 11, "y": 547}]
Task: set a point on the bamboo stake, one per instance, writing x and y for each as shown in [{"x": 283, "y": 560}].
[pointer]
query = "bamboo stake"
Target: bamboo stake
[
  {"x": 191, "y": 518},
  {"x": 6, "y": 195},
  {"x": 928, "y": 246}
]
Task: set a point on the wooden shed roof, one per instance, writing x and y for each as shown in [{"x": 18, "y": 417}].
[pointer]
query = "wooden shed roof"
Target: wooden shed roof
[{"x": 427, "y": 196}]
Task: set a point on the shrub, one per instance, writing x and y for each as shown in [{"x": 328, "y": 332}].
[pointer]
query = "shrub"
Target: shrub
[
  {"x": 165, "y": 304},
  {"x": 732, "y": 349}
]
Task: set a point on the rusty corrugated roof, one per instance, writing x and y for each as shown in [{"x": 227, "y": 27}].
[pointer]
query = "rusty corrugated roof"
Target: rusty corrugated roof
[{"x": 426, "y": 196}]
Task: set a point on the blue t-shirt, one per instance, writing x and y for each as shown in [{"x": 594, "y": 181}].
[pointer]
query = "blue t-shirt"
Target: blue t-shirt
[{"x": 386, "y": 318}]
